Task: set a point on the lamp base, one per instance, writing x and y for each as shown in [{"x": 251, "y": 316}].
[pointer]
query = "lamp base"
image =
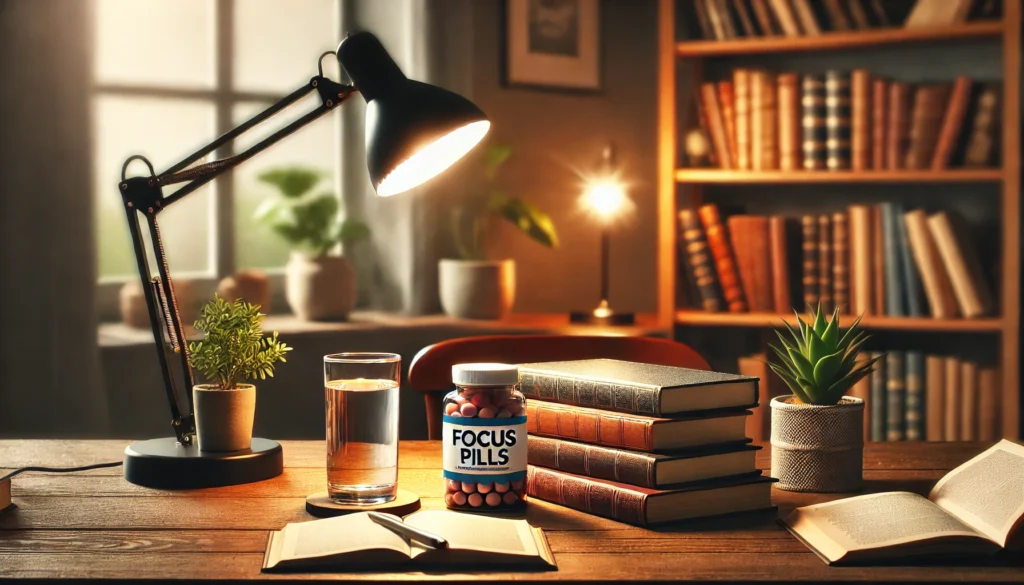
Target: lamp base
[{"x": 166, "y": 464}]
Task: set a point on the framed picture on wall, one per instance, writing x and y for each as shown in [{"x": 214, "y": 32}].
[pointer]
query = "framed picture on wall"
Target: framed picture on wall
[{"x": 553, "y": 44}]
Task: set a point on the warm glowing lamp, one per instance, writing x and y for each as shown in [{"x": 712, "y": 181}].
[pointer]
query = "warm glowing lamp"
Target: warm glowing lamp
[
  {"x": 414, "y": 131},
  {"x": 606, "y": 201}
]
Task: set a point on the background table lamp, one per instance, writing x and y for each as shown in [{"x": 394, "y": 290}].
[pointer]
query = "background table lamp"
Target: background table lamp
[
  {"x": 604, "y": 199},
  {"x": 414, "y": 131}
]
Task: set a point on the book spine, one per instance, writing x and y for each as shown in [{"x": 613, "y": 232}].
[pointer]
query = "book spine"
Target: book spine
[
  {"x": 925, "y": 124},
  {"x": 707, "y": 31},
  {"x": 915, "y": 415},
  {"x": 595, "y": 427},
  {"x": 784, "y": 15},
  {"x": 878, "y": 260},
  {"x": 789, "y": 121},
  {"x": 586, "y": 496},
  {"x": 727, "y": 101},
  {"x": 825, "y": 262},
  {"x": 780, "y": 265},
  {"x": 982, "y": 141},
  {"x": 591, "y": 393},
  {"x": 812, "y": 121},
  {"x": 860, "y": 120},
  {"x": 713, "y": 113},
  {"x": 763, "y": 121},
  {"x": 744, "y": 17},
  {"x": 937, "y": 288},
  {"x": 951, "y": 410},
  {"x": 879, "y": 11},
  {"x": 749, "y": 238},
  {"x": 837, "y": 19},
  {"x": 741, "y": 109},
  {"x": 935, "y": 401},
  {"x": 879, "y": 400},
  {"x": 841, "y": 262},
  {"x": 717, "y": 22},
  {"x": 952, "y": 123},
  {"x": 612, "y": 464},
  {"x": 806, "y": 16},
  {"x": 896, "y": 391},
  {"x": 989, "y": 406},
  {"x": 968, "y": 401},
  {"x": 764, "y": 18},
  {"x": 758, "y": 423},
  {"x": 879, "y": 123},
  {"x": 858, "y": 15},
  {"x": 730, "y": 27},
  {"x": 809, "y": 226},
  {"x": 725, "y": 262},
  {"x": 911, "y": 278},
  {"x": 893, "y": 271},
  {"x": 896, "y": 137},
  {"x": 837, "y": 120},
  {"x": 860, "y": 260},
  {"x": 698, "y": 258},
  {"x": 962, "y": 265},
  {"x": 862, "y": 390}
]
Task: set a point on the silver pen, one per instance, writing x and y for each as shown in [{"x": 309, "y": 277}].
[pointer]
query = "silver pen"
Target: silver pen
[{"x": 393, "y": 524}]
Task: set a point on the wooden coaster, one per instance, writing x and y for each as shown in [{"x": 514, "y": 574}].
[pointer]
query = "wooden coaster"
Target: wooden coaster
[{"x": 322, "y": 506}]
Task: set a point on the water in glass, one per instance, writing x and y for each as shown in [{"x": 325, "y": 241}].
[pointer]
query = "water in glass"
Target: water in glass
[{"x": 362, "y": 440}]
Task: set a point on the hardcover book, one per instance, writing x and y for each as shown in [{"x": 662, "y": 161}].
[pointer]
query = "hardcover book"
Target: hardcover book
[
  {"x": 879, "y": 123},
  {"x": 778, "y": 238},
  {"x": 741, "y": 109},
  {"x": 645, "y": 506},
  {"x": 630, "y": 431},
  {"x": 897, "y": 125},
  {"x": 910, "y": 273},
  {"x": 644, "y": 389},
  {"x": 894, "y": 294},
  {"x": 963, "y": 265},
  {"x": 840, "y": 262},
  {"x": 879, "y": 400},
  {"x": 989, "y": 406},
  {"x": 860, "y": 120},
  {"x": 725, "y": 262},
  {"x": 982, "y": 141},
  {"x": 935, "y": 281},
  {"x": 952, "y": 123},
  {"x": 878, "y": 275},
  {"x": 825, "y": 262},
  {"x": 837, "y": 120},
  {"x": 809, "y": 246},
  {"x": 727, "y": 102},
  {"x": 951, "y": 411},
  {"x": 642, "y": 469},
  {"x": 896, "y": 389},
  {"x": 861, "y": 272},
  {"x": 748, "y": 235},
  {"x": 697, "y": 256},
  {"x": 716, "y": 127},
  {"x": 968, "y": 401},
  {"x": 789, "y": 121},
  {"x": 970, "y": 511},
  {"x": 759, "y": 422},
  {"x": 925, "y": 124},
  {"x": 915, "y": 416},
  {"x": 787, "y": 19},
  {"x": 764, "y": 119},
  {"x": 935, "y": 403},
  {"x": 812, "y": 121}
]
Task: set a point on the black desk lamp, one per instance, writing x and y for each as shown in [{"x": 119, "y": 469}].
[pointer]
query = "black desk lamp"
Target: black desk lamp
[{"x": 414, "y": 131}]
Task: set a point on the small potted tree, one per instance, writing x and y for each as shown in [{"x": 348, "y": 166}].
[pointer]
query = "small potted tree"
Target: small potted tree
[
  {"x": 233, "y": 350},
  {"x": 317, "y": 286},
  {"x": 471, "y": 286},
  {"x": 817, "y": 433}
]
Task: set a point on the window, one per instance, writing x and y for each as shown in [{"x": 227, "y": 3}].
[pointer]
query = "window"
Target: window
[{"x": 171, "y": 75}]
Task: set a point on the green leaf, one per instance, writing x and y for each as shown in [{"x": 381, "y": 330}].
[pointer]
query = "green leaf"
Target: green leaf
[
  {"x": 851, "y": 331},
  {"x": 815, "y": 347},
  {"x": 819, "y": 322},
  {"x": 790, "y": 381},
  {"x": 291, "y": 182},
  {"x": 800, "y": 364},
  {"x": 353, "y": 231},
  {"x": 826, "y": 368},
  {"x": 529, "y": 219},
  {"x": 494, "y": 157},
  {"x": 831, "y": 334}
]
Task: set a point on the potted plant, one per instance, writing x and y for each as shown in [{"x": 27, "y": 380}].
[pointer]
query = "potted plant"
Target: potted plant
[
  {"x": 472, "y": 286},
  {"x": 233, "y": 350},
  {"x": 817, "y": 433},
  {"x": 317, "y": 286}
]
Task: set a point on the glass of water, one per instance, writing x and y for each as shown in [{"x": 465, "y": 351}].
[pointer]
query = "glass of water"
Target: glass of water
[{"x": 361, "y": 399}]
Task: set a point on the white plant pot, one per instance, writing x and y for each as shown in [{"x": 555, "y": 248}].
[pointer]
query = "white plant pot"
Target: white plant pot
[
  {"x": 224, "y": 417},
  {"x": 320, "y": 288},
  {"x": 818, "y": 448},
  {"x": 477, "y": 289}
]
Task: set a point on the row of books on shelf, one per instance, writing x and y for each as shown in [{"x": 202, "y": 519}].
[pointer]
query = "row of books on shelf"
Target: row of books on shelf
[
  {"x": 758, "y": 120},
  {"x": 910, "y": 396},
  {"x": 866, "y": 260},
  {"x": 641, "y": 443},
  {"x": 730, "y": 19}
]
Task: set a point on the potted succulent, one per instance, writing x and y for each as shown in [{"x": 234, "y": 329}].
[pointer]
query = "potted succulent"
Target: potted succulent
[
  {"x": 233, "y": 350},
  {"x": 817, "y": 433},
  {"x": 472, "y": 286},
  {"x": 317, "y": 286}
]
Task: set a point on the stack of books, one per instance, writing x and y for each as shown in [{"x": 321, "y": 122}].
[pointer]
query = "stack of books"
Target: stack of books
[
  {"x": 640, "y": 443},
  {"x": 848, "y": 120},
  {"x": 867, "y": 260}
]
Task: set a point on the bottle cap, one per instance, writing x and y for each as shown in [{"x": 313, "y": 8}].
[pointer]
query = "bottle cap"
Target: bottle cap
[{"x": 485, "y": 374}]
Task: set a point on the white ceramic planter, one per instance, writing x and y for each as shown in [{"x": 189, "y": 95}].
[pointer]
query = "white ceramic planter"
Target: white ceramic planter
[
  {"x": 477, "y": 289},
  {"x": 224, "y": 417},
  {"x": 320, "y": 288},
  {"x": 818, "y": 448}
]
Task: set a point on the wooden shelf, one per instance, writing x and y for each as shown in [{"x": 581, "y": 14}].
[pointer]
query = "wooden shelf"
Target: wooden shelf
[
  {"x": 728, "y": 176},
  {"x": 991, "y": 325},
  {"x": 839, "y": 40}
]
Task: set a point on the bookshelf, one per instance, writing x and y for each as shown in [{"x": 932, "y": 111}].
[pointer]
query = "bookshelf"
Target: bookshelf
[{"x": 676, "y": 184}]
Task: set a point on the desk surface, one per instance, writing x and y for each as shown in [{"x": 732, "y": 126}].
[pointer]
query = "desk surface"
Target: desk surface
[{"x": 95, "y": 525}]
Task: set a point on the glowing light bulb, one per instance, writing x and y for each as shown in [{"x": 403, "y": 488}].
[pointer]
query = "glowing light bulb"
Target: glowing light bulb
[
  {"x": 433, "y": 159},
  {"x": 606, "y": 200}
]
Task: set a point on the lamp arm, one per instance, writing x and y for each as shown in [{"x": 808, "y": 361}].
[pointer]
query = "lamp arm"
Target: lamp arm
[{"x": 144, "y": 196}]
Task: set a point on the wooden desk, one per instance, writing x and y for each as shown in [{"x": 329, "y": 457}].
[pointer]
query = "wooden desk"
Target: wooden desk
[{"x": 95, "y": 525}]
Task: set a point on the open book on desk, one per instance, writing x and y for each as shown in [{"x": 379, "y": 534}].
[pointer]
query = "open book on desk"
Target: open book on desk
[
  {"x": 355, "y": 542},
  {"x": 974, "y": 510}
]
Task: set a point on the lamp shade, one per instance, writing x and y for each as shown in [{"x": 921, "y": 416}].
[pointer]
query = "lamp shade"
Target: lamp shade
[{"x": 414, "y": 130}]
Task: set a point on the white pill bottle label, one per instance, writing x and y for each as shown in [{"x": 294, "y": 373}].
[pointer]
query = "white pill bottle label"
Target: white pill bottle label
[{"x": 484, "y": 449}]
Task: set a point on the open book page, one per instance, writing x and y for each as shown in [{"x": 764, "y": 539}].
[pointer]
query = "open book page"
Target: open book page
[
  {"x": 476, "y": 533},
  {"x": 987, "y": 492},
  {"x": 873, "y": 521},
  {"x": 343, "y": 534}
]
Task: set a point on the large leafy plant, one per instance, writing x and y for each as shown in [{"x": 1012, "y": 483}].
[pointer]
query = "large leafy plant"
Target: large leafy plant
[
  {"x": 469, "y": 223},
  {"x": 818, "y": 361},
  {"x": 234, "y": 349},
  {"x": 306, "y": 220}
]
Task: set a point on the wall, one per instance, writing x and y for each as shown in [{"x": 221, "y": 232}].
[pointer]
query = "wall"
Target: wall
[{"x": 550, "y": 132}]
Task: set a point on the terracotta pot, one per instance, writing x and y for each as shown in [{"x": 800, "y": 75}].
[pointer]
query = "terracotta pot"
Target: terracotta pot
[
  {"x": 224, "y": 417},
  {"x": 477, "y": 289},
  {"x": 320, "y": 288},
  {"x": 818, "y": 448},
  {"x": 252, "y": 286}
]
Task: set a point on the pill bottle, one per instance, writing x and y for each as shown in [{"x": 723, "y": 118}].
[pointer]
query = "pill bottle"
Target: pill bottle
[{"x": 484, "y": 434}]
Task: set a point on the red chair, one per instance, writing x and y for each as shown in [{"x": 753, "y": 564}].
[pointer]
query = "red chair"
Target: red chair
[{"x": 431, "y": 369}]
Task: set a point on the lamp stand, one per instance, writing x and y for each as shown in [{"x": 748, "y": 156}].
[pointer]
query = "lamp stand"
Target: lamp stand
[{"x": 603, "y": 314}]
